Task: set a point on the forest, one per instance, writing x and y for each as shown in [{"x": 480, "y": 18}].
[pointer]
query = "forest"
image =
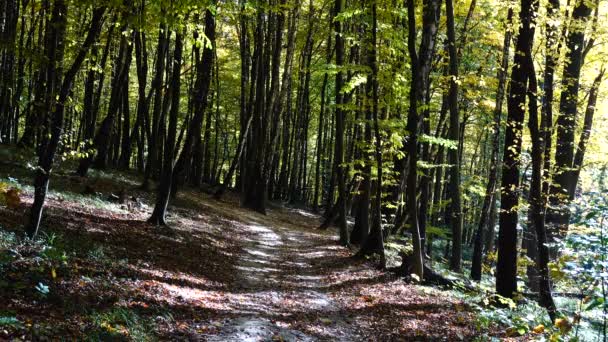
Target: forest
[{"x": 317, "y": 170}]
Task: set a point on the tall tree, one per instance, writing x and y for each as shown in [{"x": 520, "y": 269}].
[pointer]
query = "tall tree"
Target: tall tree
[
  {"x": 583, "y": 140},
  {"x": 374, "y": 243},
  {"x": 421, "y": 63},
  {"x": 49, "y": 146},
  {"x": 537, "y": 198},
  {"x": 202, "y": 84},
  {"x": 558, "y": 215},
  {"x": 454, "y": 154},
  {"x": 254, "y": 184},
  {"x": 340, "y": 123},
  {"x": 101, "y": 141},
  {"x": 164, "y": 189},
  {"x": 506, "y": 268},
  {"x": 490, "y": 193}
]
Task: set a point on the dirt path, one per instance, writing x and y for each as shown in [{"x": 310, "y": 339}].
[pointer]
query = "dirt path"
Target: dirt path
[{"x": 280, "y": 285}]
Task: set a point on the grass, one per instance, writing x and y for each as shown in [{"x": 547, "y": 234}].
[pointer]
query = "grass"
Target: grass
[{"x": 121, "y": 324}]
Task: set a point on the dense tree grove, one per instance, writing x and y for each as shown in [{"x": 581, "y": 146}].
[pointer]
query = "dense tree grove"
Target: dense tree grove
[{"x": 462, "y": 129}]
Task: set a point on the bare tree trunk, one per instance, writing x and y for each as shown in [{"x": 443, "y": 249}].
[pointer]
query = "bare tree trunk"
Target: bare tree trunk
[
  {"x": 490, "y": 195},
  {"x": 339, "y": 137},
  {"x": 506, "y": 268},
  {"x": 558, "y": 215},
  {"x": 49, "y": 148},
  {"x": 164, "y": 190}
]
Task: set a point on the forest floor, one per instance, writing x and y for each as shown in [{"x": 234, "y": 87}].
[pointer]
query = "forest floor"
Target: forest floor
[{"x": 217, "y": 273}]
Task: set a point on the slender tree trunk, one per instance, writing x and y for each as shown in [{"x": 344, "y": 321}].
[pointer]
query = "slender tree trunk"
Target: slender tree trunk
[
  {"x": 421, "y": 67},
  {"x": 103, "y": 136},
  {"x": 48, "y": 150},
  {"x": 157, "y": 88},
  {"x": 585, "y": 134},
  {"x": 164, "y": 189},
  {"x": 558, "y": 215},
  {"x": 490, "y": 194},
  {"x": 340, "y": 118},
  {"x": 454, "y": 154},
  {"x": 141, "y": 61},
  {"x": 374, "y": 244},
  {"x": 201, "y": 93},
  {"x": 537, "y": 199},
  {"x": 254, "y": 194},
  {"x": 506, "y": 268}
]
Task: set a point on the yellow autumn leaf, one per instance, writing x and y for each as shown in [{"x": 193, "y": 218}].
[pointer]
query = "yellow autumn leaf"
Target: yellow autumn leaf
[
  {"x": 53, "y": 273},
  {"x": 563, "y": 324},
  {"x": 539, "y": 329},
  {"x": 13, "y": 198}
]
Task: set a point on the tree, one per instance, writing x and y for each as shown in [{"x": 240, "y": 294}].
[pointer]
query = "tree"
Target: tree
[
  {"x": 49, "y": 146},
  {"x": 201, "y": 92},
  {"x": 101, "y": 141},
  {"x": 490, "y": 194},
  {"x": 339, "y": 136},
  {"x": 506, "y": 267},
  {"x": 453, "y": 154},
  {"x": 166, "y": 181},
  {"x": 421, "y": 67},
  {"x": 537, "y": 198},
  {"x": 558, "y": 215},
  {"x": 374, "y": 242}
]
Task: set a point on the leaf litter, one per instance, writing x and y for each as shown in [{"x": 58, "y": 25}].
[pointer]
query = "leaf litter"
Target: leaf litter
[{"x": 217, "y": 273}]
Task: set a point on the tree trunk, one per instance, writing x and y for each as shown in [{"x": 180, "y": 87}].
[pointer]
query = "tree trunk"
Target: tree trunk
[
  {"x": 506, "y": 268},
  {"x": 454, "y": 154},
  {"x": 585, "y": 134},
  {"x": 103, "y": 136},
  {"x": 157, "y": 88},
  {"x": 421, "y": 67},
  {"x": 558, "y": 215},
  {"x": 164, "y": 189},
  {"x": 340, "y": 118},
  {"x": 254, "y": 194},
  {"x": 49, "y": 148},
  {"x": 490, "y": 194},
  {"x": 201, "y": 91},
  {"x": 374, "y": 244},
  {"x": 537, "y": 200}
]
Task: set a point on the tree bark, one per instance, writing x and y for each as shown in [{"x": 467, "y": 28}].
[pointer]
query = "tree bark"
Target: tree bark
[
  {"x": 454, "y": 154},
  {"x": 506, "y": 268},
  {"x": 201, "y": 92},
  {"x": 537, "y": 200},
  {"x": 164, "y": 189},
  {"x": 340, "y": 118},
  {"x": 490, "y": 194},
  {"x": 558, "y": 215},
  {"x": 49, "y": 148},
  {"x": 421, "y": 66},
  {"x": 374, "y": 244},
  {"x": 585, "y": 134}
]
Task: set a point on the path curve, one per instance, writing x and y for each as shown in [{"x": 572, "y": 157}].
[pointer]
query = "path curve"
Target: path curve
[{"x": 280, "y": 278}]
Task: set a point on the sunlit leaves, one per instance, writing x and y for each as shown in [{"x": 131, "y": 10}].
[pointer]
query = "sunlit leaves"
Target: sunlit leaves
[
  {"x": 433, "y": 140},
  {"x": 10, "y": 196}
]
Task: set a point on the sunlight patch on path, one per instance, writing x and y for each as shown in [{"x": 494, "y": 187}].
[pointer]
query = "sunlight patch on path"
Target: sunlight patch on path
[
  {"x": 251, "y": 329},
  {"x": 277, "y": 281}
]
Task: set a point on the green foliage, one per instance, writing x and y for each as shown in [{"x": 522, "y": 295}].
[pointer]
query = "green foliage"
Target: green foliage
[
  {"x": 121, "y": 323},
  {"x": 9, "y": 321},
  {"x": 438, "y": 231},
  {"x": 433, "y": 140},
  {"x": 31, "y": 266}
]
